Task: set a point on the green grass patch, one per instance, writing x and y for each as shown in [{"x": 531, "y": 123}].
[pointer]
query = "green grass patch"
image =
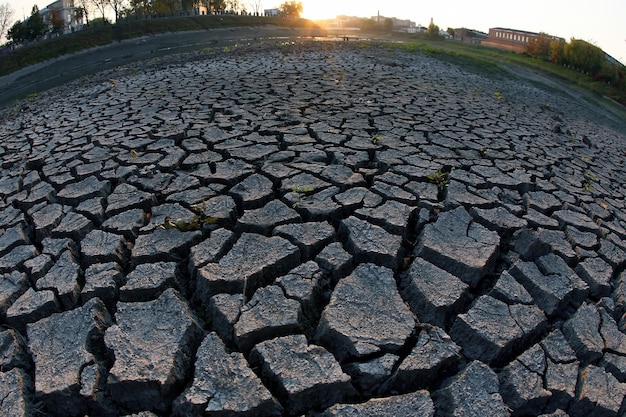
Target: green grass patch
[{"x": 481, "y": 58}]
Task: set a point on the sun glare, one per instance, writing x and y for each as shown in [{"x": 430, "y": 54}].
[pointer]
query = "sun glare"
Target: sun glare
[{"x": 315, "y": 10}]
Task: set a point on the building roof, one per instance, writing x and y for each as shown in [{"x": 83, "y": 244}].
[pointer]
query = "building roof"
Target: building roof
[{"x": 525, "y": 32}]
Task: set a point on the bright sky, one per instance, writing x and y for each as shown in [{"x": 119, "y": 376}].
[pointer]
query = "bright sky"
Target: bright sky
[{"x": 602, "y": 22}]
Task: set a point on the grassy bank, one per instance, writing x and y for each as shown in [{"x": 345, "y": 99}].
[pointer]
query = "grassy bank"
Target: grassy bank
[
  {"x": 104, "y": 35},
  {"x": 494, "y": 60}
]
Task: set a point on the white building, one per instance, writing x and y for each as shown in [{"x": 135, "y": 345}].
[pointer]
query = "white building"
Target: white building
[{"x": 67, "y": 12}]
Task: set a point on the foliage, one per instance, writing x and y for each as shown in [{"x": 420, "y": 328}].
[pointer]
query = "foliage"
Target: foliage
[
  {"x": 199, "y": 219},
  {"x": 17, "y": 33},
  {"x": 32, "y": 29},
  {"x": 301, "y": 193},
  {"x": 540, "y": 47},
  {"x": 128, "y": 29},
  {"x": 588, "y": 179},
  {"x": 291, "y": 8},
  {"x": 433, "y": 30},
  {"x": 581, "y": 56},
  {"x": 441, "y": 178},
  {"x": 57, "y": 24}
]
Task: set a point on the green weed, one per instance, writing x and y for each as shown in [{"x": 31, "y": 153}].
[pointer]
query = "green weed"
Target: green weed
[
  {"x": 588, "y": 180},
  {"x": 301, "y": 193},
  {"x": 441, "y": 178}
]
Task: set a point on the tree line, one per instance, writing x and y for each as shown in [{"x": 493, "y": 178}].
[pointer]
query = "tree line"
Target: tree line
[
  {"x": 93, "y": 12},
  {"x": 579, "y": 55}
]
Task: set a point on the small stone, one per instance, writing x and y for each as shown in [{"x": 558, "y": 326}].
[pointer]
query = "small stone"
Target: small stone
[
  {"x": 491, "y": 329},
  {"x": 147, "y": 281},
  {"x": 371, "y": 243},
  {"x": 32, "y": 306},
  {"x": 16, "y": 393},
  {"x": 434, "y": 351},
  {"x": 305, "y": 376},
  {"x": 460, "y": 246},
  {"x": 162, "y": 333},
  {"x": 64, "y": 279},
  {"x": 269, "y": 314},
  {"x": 521, "y": 382},
  {"x": 474, "y": 392},
  {"x": 62, "y": 346},
  {"x": 416, "y": 403},
  {"x": 310, "y": 238},
  {"x": 263, "y": 220},
  {"x": 163, "y": 245},
  {"x": 252, "y": 261},
  {"x": 224, "y": 384},
  {"x": 101, "y": 246},
  {"x": 433, "y": 294},
  {"x": 600, "y": 394},
  {"x": 583, "y": 333},
  {"x": 365, "y": 315}
]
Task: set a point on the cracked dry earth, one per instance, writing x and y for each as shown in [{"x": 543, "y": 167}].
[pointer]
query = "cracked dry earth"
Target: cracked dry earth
[{"x": 312, "y": 229}]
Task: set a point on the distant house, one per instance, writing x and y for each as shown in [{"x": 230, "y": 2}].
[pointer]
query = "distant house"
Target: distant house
[
  {"x": 399, "y": 25},
  {"x": 72, "y": 19},
  {"x": 470, "y": 36},
  {"x": 271, "y": 12},
  {"x": 511, "y": 39}
]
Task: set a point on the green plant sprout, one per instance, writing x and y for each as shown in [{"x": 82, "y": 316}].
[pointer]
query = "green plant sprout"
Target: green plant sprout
[
  {"x": 301, "y": 193},
  {"x": 498, "y": 95},
  {"x": 199, "y": 219},
  {"x": 377, "y": 138},
  {"x": 440, "y": 178},
  {"x": 588, "y": 181}
]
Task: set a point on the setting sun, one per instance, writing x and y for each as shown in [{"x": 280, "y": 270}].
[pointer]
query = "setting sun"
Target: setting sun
[{"x": 326, "y": 9}]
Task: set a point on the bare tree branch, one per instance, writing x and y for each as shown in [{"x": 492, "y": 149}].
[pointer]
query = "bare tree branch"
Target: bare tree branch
[{"x": 6, "y": 14}]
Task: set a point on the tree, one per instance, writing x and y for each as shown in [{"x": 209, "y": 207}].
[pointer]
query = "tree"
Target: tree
[
  {"x": 217, "y": 6},
  {"x": 17, "y": 33},
  {"x": 35, "y": 26},
  {"x": 433, "y": 30},
  {"x": 584, "y": 56},
  {"x": 118, "y": 6},
  {"x": 540, "y": 47},
  {"x": 6, "y": 13},
  {"x": 84, "y": 9},
  {"x": 557, "y": 51},
  {"x": 291, "y": 8},
  {"x": 255, "y": 6},
  {"x": 101, "y": 6},
  {"x": 57, "y": 24}
]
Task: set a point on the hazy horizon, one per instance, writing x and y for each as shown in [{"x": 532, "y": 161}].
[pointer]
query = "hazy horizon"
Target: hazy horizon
[{"x": 602, "y": 25}]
